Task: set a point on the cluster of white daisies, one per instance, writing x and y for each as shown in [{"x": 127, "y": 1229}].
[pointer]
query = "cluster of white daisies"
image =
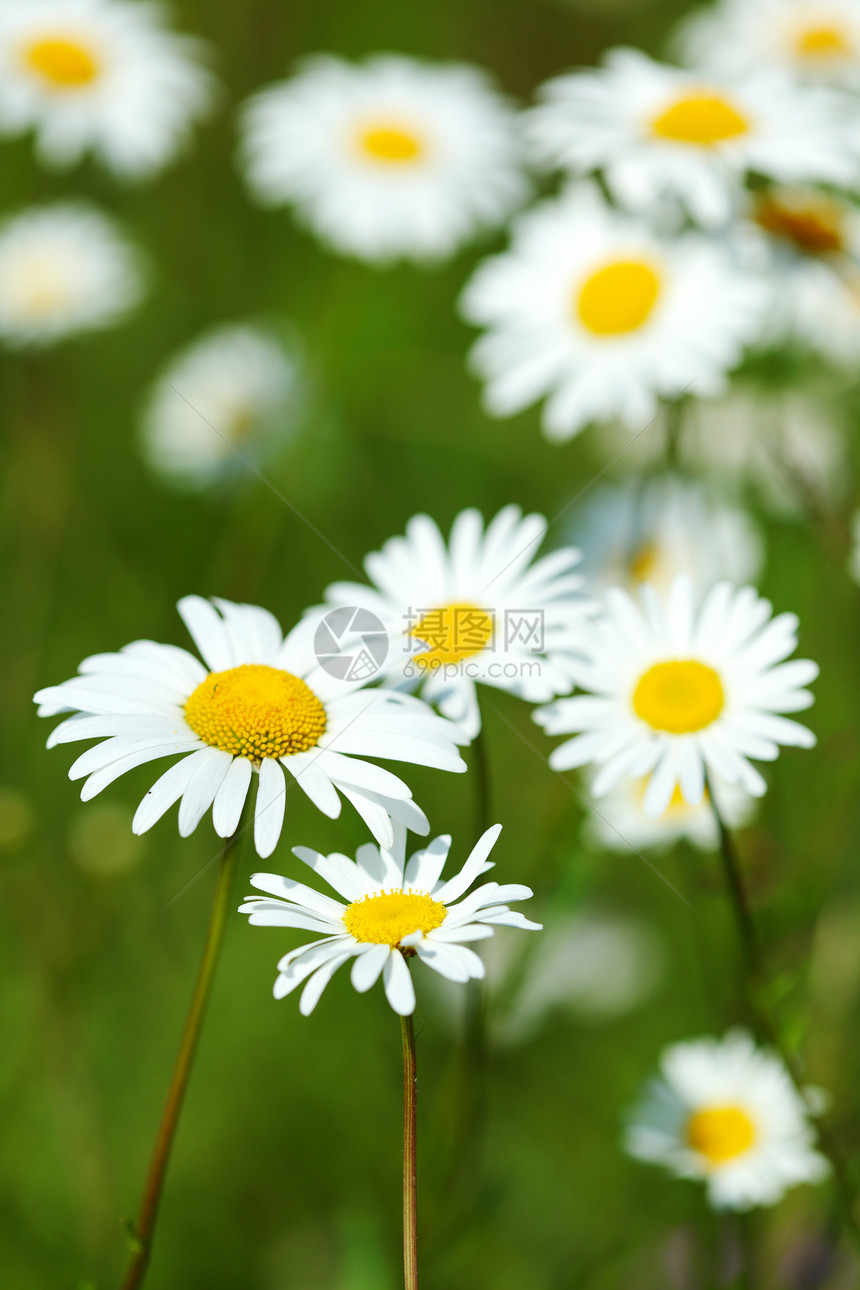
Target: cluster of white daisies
[
  {"x": 678, "y": 692},
  {"x": 706, "y": 212}
]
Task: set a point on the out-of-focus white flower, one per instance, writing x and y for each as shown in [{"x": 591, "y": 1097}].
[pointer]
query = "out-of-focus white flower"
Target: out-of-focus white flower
[
  {"x": 788, "y": 444},
  {"x": 650, "y": 530},
  {"x": 805, "y": 245},
  {"x": 594, "y": 311},
  {"x": 396, "y": 910},
  {"x": 814, "y": 40},
  {"x": 104, "y": 76},
  {"x": 725, "y": 1112},
  {"x": 64, "y": 269},
  {"x": 676, "y": 688},
  {"x": 231, "y": 397},
  {"x": 480, "y": 609},
  {"x": 618, "y": 820},
  {"x": 391, "y": 158},
  {"x": 664, "y": 137}
]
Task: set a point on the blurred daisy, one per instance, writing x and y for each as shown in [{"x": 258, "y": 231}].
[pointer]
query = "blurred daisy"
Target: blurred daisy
[
  {"x": 480, "y": 609},
  {"x": 806, "y": 246},
  {"x": 395, "y": 911},
  {"x": 392, "y": 158},
  {"x": 595, "y": 311},
  {"x": 726, "y": 1112},
  {"x": 814, "y": 40},
  {"x": 231, "y": 396},
  {"x": 651, "y": 530},
  {"x": 619, "y": 821},
  {"x": 64, "y": 269},
  {"x": 787, "y": 443},
  {"x": 674, "y": 691},
  {"x": 261, "y": 703},
  {"x": 104, "y": 76},
  {"x": 663, "y": 136}
]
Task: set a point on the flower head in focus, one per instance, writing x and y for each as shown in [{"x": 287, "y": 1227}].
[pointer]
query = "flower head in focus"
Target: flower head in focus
[
  {"x": 395, "y": 910},
  {"x": 674, "y": 689},
  {"x": 259, "y": 705},
  {"x": 100, "y": 76},
  {"x": 725, "y": 1112},
  {"x": 479, "y": 609},
  {"x": 389, "y": 159}
]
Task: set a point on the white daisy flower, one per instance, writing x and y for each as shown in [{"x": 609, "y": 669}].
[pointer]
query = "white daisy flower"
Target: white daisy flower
[
  {"x": 395, "y": 911},
  {"x": 479, "y": 610},
  {"x": 665, "y": 137},
  {"x": 805, "y": 244},
  {"x": 103, "y": 76},
  {"x": 726, "y": 1112},
  {"x": 392, "y": 158},
  {"x": 619, "y": 822},
  {"x": 64, "y": 269},
  {"x": 788, "y": 443},
  {"x": 237, "y": 388},
  {"x": 813, "y": 40},
  {"x": 651, "y": 530},
  {"x": 675, "y": 691},
  {"x": 260, "y": 703},
  {"x": 592, "y": 309}
]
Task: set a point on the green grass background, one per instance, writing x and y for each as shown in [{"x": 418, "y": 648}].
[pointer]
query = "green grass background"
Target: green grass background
[{"x": 286, "y": 1171}]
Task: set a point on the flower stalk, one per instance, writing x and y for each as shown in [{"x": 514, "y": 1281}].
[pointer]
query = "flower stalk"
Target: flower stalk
[
  {"x": 410, "y": 1167},
  {"x": 755, "y": 982},
  {"x": 142, "y": 1233}
]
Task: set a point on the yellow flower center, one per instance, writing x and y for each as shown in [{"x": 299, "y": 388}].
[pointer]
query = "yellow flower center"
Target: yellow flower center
[
  {"x": 256, "y": 711},
  {"x": 618, "y": 298},
  {"x": 453, "y": 633},
  {"x": 644, "y": 562},
  {"x": 814, "y": 224},
  {"x": 65, "y": 64},
  {"x": 41, "y": 286},
  {"x": 720, "y": 1133},
  {"x": 703, "y": 118},
  {"x": 823, "y": 41},
  {"x": 390, "y": 144},
  {"x": 385, "y": 917},
  {"x": 679, "y": 697}
]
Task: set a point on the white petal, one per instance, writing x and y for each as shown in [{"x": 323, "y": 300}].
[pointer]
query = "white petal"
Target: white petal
[
  {"x": 269, "y": 811},
  {"x": 399, "y": 989},
  {"x": 231, "y": 797}
]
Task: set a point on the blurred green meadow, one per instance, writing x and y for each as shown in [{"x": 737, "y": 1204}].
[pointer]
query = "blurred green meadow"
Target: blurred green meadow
[{"x": 286, "y": 1170}]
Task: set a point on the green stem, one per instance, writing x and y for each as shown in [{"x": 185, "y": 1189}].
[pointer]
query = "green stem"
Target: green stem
[
  {"x": 767, "y": 1029},
  {"x": 481, "y": 780},
  {"x": 410, "y": 1167},
  {"x": 141, "y": 1238}
]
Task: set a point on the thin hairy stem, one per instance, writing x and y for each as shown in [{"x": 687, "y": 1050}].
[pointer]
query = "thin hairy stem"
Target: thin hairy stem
[{"x": 410, "y": 1169}]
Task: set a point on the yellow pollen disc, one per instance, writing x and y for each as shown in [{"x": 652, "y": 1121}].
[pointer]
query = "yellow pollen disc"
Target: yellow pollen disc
[
  {"x": 720, "y": 1133},
  {"x": 64, "y": 64},
  {"x": 703, "y": 118},
  {"x": 618, "y": 298},
  {"x": 822, "y": 42},
  {"x": 644, "y": 562},
  {"x": 452, "y": 633},
  {"x": 814, "y": 225},
  {"x": 256, "y": 711},
  {"x": 385, "y": 917},
  {"x": 390, "y": 144},
  {"x": 679, "y": 697}
]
